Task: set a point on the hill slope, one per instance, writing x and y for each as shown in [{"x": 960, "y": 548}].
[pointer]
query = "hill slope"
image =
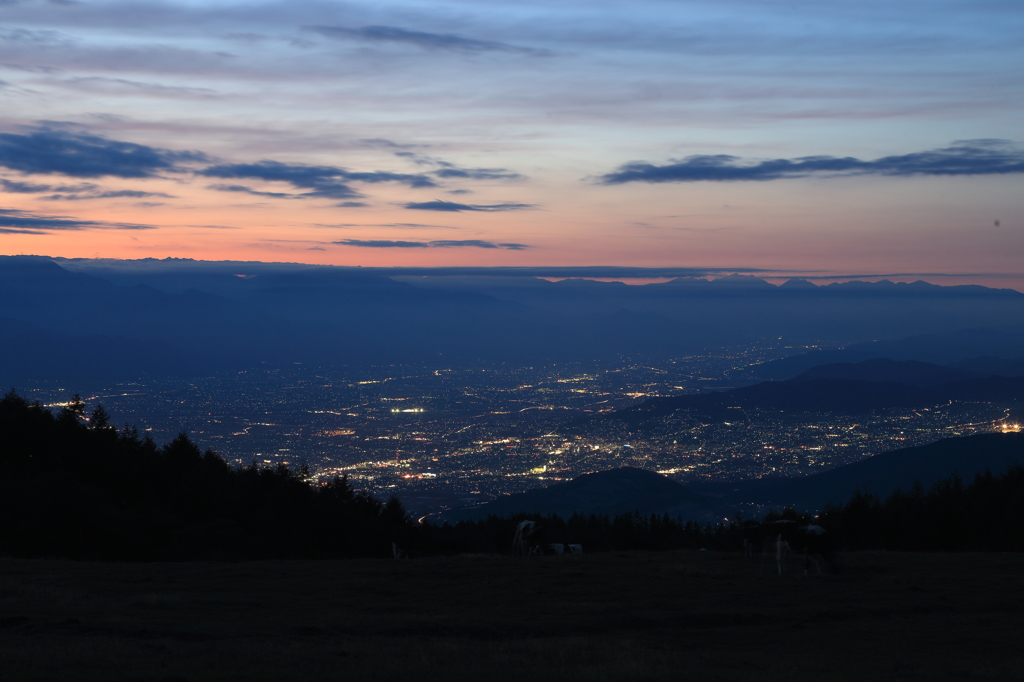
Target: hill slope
[
  {"x": 616, "y": 491},
  {"x": 909, "y": 372},
  {"x": 882, "y": 474}
]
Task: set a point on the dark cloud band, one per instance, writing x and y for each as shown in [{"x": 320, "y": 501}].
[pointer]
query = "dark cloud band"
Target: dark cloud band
[
  {"x": 13, "y": 221},
  {"x": 565, "y": 272},
  {"x": 439, "y": 244},
  {"x": 321, "y": 181},
  {"x": 971, "y": 157},
  {"x": 453, "y": 207},
  {"x": 82, "y": 155},
  {"x": 421, "y": 39},
  {"x": 478, "y": 174}
]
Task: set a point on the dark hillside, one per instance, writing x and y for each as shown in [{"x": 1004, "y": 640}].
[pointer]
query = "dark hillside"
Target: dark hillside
[
  {"x": 616, "y": 491},
  {"x": 72, "y": 490},
  {"x": 883, "y": 473},
  {"x": 990, "y": 365},
  {"x": 910, "y": 372}
]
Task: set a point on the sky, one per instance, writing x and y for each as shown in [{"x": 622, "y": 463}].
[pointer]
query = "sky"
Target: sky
[{"x": 819, "y": 138}]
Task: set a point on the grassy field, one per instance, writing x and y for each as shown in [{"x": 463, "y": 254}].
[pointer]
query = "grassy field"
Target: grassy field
[{"x": 618, "y": 616}]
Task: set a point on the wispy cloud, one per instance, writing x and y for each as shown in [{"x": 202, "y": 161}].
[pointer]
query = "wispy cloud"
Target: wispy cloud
[
  {"x": 478, "y": 174},
  {"x": 102, "y": 84},
  {"x": 400, "y": 226},
  {"x": 389, "y": 144},
  {"x": 24, "y": 35},
  {"x": 968, "y": 157},
  {"x": 450, "y": 170},
  {"x": 453, "y": 207},
  {"x": 110, "y": 194},
  {"x": 79, "y": 192},
  {"x": 83, "y": 155},
  {"x": 15, "y": 187},
  {"x": 221, "y": 187},
  {"x": 322, "y": 181},
  {"x": 439, "y": 244},
  {"x": 421, "y": 39},
  {"x": 597, "y": 271},
  {"x": 13, "y": 221}
]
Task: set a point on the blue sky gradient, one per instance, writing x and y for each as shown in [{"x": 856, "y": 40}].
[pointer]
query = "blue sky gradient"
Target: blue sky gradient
[{"x": 844, "y": 137}]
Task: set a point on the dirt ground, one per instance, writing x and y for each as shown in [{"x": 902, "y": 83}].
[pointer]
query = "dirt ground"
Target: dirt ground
[{"x": 634, "y": 616}]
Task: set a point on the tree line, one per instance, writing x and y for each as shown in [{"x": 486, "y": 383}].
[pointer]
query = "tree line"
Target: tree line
[
  {"x": 986, "y": 514},
  {"x": 71, "y": 488}
]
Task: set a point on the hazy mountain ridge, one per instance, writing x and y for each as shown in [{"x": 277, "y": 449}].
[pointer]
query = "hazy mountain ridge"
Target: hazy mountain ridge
[
  {"x": 253, "y": 312},
  {"x": 990, "y": 365},
  {"x": 957, "y": 348},
  {"x": 909, "y": 372}
]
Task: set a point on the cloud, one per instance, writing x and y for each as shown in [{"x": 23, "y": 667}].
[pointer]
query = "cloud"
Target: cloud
[
  {"x": 478, "y": 173},
  {"x": 381, "y": 142},
  {"x": 82, "y": 155},
  {"x": 401, "y": 226},
  {"x": 382, "y": 243},
  {"x": 24, "y": 35},
  {"x": 421, "y": 39},
  {"x": 439, "y": 244},
  {"x": 967, "y": 157},
  {"x": 352, "y": 204},
  {"x": 25, "y": 187},
  {"x": 115, "y": 85},
  {"x": 220, "y": 187},
  {"x": 570, "y": 271},
  {"x": 85, "y": 190},
  {"x": 450, "y": 170},
  {"x": 322, "y": 181},
  {"x": 112, "y": 194},
  {"x": 451, "y": 206},
  {"x": 13, "y": 221},
  {"x": 479, "y": 243}
]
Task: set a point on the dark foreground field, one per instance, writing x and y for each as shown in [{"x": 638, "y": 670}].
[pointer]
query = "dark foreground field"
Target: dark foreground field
[{"x": 636, "y": 616}]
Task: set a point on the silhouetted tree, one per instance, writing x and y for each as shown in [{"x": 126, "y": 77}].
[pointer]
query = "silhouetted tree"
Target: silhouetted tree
[{"x": 99, "y": 419}]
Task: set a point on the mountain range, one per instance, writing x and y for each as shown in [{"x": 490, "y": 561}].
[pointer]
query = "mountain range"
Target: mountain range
[{"x": 178, "y": 316}]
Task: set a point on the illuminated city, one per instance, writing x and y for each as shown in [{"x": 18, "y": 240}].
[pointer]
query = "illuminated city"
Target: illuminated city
[{"x": 441, "y": 438}]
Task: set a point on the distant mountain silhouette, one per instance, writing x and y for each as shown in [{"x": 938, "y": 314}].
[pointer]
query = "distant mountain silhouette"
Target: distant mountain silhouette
[
  {"x": 884, "y": 473},
  {"x": 32, "y": 354},
  {"x": 941, "y": 348},
  {"x": 909, "y": 372},
  {"x": 285, "y": 312},
  {"x": 839, "y": 396},
  {"x": 611, "y": 492},
  {"x": 990, "y": 365}
]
